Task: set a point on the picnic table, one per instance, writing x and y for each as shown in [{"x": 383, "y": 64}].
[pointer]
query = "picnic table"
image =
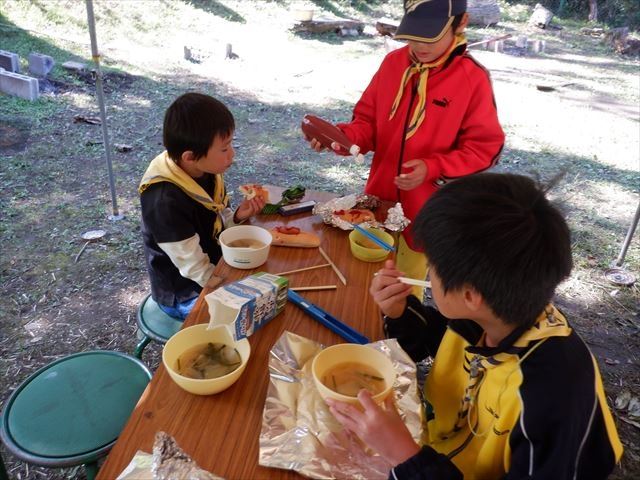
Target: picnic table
[{"x": 220, "y": 432}]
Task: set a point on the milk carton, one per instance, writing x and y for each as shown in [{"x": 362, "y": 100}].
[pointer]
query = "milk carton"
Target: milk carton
[{"x": 247, "y": 304}]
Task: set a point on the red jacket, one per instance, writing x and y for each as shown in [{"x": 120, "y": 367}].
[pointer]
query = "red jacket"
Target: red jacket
[{"x": 460, "y": 134}]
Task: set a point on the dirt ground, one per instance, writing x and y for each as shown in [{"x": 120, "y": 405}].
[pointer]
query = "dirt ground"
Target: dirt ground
[{"x": 54, "y": 185}]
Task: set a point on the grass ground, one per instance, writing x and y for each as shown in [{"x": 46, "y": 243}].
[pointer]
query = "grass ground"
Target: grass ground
[{"x": 54, "y": 184}]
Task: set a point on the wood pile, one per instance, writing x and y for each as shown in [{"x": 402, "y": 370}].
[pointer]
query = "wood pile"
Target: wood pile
[{"x": 340, "y": 26}]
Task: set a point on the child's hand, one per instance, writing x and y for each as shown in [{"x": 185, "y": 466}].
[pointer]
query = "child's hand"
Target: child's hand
[
  {"x": 388, "y": 293},
  {"x": 410, "y": 180},
  {"x": 318, "y": 147},
  {"x": 381, "y": 429},
  {"x": 249, "y": 208}
]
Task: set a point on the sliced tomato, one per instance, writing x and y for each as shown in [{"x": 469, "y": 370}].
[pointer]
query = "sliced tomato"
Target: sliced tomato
[{"x": 288, "y": 230}]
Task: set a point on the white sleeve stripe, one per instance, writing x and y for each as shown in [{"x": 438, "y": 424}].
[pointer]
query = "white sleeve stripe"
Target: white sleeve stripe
[
  {"x": 415, "y": 312},
  {"x": 584, "y": 438},
  {"x": 189, "y": 259},
  {"x": 393, "y": 472},
  {"x": 524, "y": 432}
]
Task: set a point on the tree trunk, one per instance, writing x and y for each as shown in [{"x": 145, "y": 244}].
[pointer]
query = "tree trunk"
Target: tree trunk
[{"x": 593, "y": 11}]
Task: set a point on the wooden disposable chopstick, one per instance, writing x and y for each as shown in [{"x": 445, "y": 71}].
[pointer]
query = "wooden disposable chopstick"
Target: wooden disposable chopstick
[
  {"x": 333, "y": 265},
  {"x": 303, "y": 269},
  {"x": 413, "y": 281},
  {"x": 317, "y": 287}
]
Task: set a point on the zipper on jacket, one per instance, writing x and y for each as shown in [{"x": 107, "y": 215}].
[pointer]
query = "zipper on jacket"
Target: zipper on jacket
[{"x": 414, "y": 91}]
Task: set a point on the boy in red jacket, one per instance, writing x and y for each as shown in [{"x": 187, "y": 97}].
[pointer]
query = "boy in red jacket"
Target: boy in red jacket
[{"x": 428, "y": 114}]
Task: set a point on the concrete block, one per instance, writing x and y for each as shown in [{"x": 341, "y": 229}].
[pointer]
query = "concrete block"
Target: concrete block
[
  {"x": 40, "y": 65},
  {"x": 75, "y": 66},
  {"x": 19, "y": 85},
  {"x": 9, "y": 61}
]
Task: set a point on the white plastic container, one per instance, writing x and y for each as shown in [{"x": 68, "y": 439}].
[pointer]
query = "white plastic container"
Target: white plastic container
[{"x": 245, "y": 258}]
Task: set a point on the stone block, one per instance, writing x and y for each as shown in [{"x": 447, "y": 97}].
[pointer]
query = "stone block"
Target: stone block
[
  {"x": 9, "y": 61},
  {"x": 40, "y": 65},
  {"x": 74, "y": 66},
  {"x": 19, "y": 85}
]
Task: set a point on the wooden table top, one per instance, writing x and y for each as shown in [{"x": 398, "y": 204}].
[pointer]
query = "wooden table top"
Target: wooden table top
[{"x": 220, "y": 432}]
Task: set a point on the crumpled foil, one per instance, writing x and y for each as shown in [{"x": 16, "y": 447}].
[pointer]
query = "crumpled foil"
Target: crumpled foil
[
  {"x": 395, "y": 221},
  {"x": 168, "y": 462},
  {"x": 300, "y": 433}
]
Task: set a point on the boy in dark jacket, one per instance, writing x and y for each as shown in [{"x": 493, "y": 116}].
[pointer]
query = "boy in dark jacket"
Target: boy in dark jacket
[
  {"x": 184, "y": 201},
  {"x": 514, "y": 392},
  {"x": 428, "y": 114}
]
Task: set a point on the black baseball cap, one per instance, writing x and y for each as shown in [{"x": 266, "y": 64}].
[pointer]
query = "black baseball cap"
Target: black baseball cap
[{"x": 428, "y": 20}]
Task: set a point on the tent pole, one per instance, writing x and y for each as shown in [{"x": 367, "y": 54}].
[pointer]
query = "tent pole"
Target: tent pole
[
  {"x": 619, "y": 261},
  {"x": 103, "y": 113}
]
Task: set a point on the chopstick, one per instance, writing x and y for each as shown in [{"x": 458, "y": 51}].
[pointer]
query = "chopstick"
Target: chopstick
[
  {"x": 332, "y": 323},
  {"x": 372, "y": 237},
  {"x": 412, "y": 281},
  {"x": 303, "y": 269},
  {"x": 333, "y": 265},
  {"x": 318, "y": 287}
]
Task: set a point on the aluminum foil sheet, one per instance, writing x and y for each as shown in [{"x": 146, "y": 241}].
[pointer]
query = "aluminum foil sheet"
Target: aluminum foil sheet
[
  {"x": 395, "y": 221},
  {"x": 300, "y": 433},
  {"x": 168, "y": 462}
]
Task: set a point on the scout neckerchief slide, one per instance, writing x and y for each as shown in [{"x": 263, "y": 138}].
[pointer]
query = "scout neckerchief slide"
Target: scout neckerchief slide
[
  {"x": 422, "y": 69},
  {"x": 163, "y": 169}
]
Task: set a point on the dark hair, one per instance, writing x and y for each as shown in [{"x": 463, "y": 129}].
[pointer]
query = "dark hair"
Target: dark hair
[
  {"x": 192, "y": 122},
  {"x": 499, "y": 234},
  {"x": 456, "y": 22}
]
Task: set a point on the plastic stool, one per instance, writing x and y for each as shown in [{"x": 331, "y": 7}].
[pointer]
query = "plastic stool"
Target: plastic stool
[
  {"x": 154, "y": 324},
  {"x": 71, "y": 411}
]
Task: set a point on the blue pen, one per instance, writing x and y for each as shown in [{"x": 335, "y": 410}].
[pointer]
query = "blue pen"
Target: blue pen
[
  {"x": 371, "y": 236},
  {"x": 332, "y": 323}
]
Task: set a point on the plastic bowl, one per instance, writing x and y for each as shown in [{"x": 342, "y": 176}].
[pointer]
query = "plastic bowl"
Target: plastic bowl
[
  {"x": 245, "y": 258},
  {"x": 351, "y": 352},
  {"x": 366, "y": 254},
  {"x": 197, "y": 335}
]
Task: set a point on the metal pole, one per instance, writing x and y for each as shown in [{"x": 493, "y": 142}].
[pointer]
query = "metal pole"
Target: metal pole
[
  {"x": 103, "y": 112},
  {"x": 627, "y": 240}
]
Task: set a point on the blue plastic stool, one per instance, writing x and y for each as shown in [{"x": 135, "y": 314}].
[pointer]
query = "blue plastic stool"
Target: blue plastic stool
[
  {"x": 71, "y": 411},
  {"x": 154, "y": 324}
]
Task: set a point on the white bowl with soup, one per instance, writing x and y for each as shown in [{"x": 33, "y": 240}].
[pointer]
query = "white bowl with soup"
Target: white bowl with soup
[
  {"x": 342, "y": 370},
  {"x": 204, "y": 361},
  {"x": 245, "y": 246}
]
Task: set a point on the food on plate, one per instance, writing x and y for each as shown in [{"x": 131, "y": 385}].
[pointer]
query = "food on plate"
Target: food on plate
[
  {"x": 355, "y": 215},
  {"x": 209, "y": 360},
  {"x": 294, "y": 237},
  {"x": 252, "y": 190},
  {"x": 348, "y": 378}
]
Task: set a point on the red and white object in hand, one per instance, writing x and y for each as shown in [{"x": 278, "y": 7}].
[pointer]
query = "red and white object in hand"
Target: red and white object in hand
[{"x": 328, "y": 134}]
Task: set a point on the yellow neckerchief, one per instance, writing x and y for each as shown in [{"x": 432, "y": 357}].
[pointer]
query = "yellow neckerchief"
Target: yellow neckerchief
[
  {"x": 163, "y": 169},
  {"x": 551, "y": 323},
  {"x": 422, "y": 69}
]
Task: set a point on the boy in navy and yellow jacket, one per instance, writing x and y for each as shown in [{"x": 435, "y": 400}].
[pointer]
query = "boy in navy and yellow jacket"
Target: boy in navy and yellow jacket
[
  {"x": 428, "y": 114},
  {"x": 514, "y": 392}
]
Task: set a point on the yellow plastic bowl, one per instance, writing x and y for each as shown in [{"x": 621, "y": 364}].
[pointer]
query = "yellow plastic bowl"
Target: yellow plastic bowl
[
  {"x": 376, "y": 254},
  {"x": 197, "y": 335},
  {"x": 351, "y": 352}
]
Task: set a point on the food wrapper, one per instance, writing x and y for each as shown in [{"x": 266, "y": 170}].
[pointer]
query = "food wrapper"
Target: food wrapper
[
  {"x": 395, "y": 221},
  {"x": 300, "y": 433},
  {"x": 246, "y": 305},
  {"x": 168, "y": 462}
]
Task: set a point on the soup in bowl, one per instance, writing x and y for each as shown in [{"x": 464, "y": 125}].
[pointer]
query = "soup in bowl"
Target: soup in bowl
[
  {"x": 341, "y": 371},
  {"x": 245, "y": 246}
]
